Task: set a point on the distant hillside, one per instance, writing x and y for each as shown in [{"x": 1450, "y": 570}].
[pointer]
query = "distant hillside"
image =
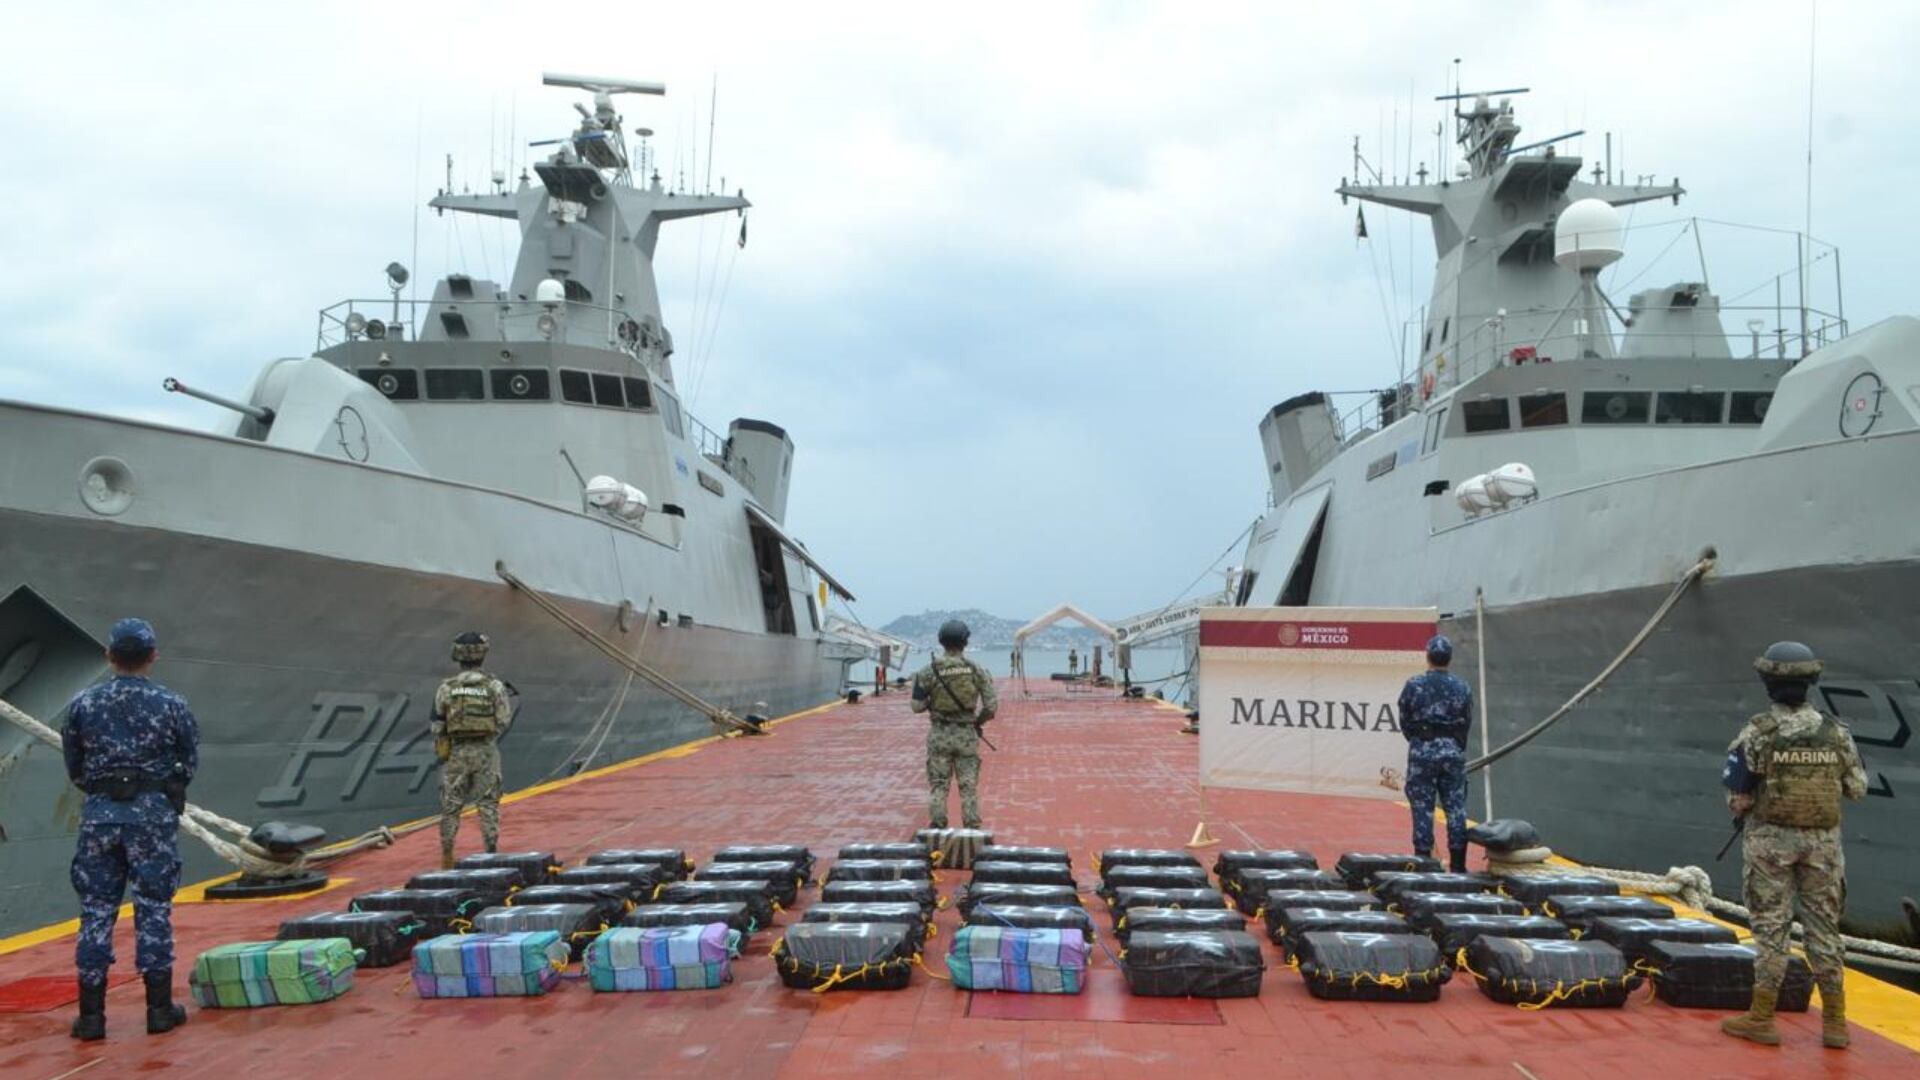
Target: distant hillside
[{"x": 992, "y": 631}]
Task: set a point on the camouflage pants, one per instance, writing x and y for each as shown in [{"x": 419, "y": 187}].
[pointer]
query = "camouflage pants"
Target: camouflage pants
[
  {"x": 1784, "y": 864},
  {"x": 470, "y": 775},
  {"x": 1437, "y": 774},
  {"x": 953, "y": 750},
  {"x": 107, "y": 858}
]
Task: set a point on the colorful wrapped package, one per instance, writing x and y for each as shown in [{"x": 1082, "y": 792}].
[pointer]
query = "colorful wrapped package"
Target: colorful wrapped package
[
  {"x": 1032, "y": 917},
  {"x": 987, "y": 892},
  {"x": 1534, "y": 889},
  {"x": 1578, "y": 912},
  {"x": 443, "y": 910},
  {"x": 492, "y": 885},
  {"x": 1720, "y": 976},
  {"x": 734, "y": 913},
  {"x": 1009, "y": 872},
  {"x": 1635, "y": 937},
  {"x": 783, "y": 878},
  {"x": 249, "y": 974},
  {"x": 1193, "y": 963},
  {"x": 673, "y": 862},
  {"x": 489, "y": 965},
  {"x": 903, "y": 850},
  {"x": 1018, "y": 959},
  {"x": 1159, "y": 919},
  {"x": 1456, "y": 932},
  {"x": 663, "y": 958},
  {"x": 851, "y": 956},
  {"x": 535, "y": 867},
  {"x": 1536, "y": 974},
  {"x": 954, "y": 849},
  {"x": 1358, "y": 867},
  {"x": 577, "y": 924},
  {"x": 382, "y": 938},
  {"x": 1297, "y": 922},
  {"x": 1017, "y": 853},
  {"x": 1371, "y": 967},
  {"x": 797, "y": 854}
]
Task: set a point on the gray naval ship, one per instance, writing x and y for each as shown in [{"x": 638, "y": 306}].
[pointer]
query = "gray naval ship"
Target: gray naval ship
[
  {"x": 1564, "y": 463},
  {"x": 307, "y": 565}
]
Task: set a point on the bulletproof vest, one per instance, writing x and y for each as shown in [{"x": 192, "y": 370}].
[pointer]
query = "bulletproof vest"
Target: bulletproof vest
[
  {"x": 1803, "y": 773},
  {"x": 955, "y": 687},
  {"x": 471, "y": 709}
]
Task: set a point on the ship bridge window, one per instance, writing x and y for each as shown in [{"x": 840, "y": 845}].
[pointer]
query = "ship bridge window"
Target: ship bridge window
[
  {"x": 1436, "y": 423},
  {"x": 1750, "y": 406},
  {"x": 1543, "y": 410},
  {"x": 1674, "y": 407},
  {"x": 639, "y": 394},
  {"x": 670, "y": 415},
  {"x": 512, "y": 385},
  {"x": 576, "y": 386},
  {"x": 456, "y": 384},
  {"x": 606, "y": 390},
  {"x": 397, "y": 385},
  {"x": 1615, "y": 406},
  {"x": 1489, "y": 415}
]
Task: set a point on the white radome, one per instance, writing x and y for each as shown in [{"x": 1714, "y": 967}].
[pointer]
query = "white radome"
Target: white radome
[{"x": 1588, "y": 236}]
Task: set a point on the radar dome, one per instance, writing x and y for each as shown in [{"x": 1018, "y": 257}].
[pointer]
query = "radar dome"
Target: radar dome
[
  {"x": 550, "y": 292},
  {"x": 1588, "y": 236}
]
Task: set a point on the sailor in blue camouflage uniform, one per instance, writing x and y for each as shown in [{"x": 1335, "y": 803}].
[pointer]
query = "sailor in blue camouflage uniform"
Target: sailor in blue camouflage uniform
[
  {"x": 1436, "y": 711},
  {"x": 132, "y": 746}
]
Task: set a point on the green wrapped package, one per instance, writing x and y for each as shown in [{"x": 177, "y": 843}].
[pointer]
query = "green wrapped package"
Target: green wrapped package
[{"x": 246, "y": 974}]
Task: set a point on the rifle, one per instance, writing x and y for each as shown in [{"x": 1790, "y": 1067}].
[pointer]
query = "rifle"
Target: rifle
[
  {"x": 978, "y": 724},
  {"x": 1739, "y": 826}
]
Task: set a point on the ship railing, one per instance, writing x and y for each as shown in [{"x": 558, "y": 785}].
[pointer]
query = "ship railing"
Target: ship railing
[
  {"x": 718, "y": 449},
  {"x": 574, "y": 322}
]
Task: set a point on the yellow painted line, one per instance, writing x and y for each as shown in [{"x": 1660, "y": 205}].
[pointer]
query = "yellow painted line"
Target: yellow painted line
[{"x": 196, "y": 893}]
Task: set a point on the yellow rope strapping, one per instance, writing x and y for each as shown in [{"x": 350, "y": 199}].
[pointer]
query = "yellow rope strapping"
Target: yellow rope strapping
[
  {"x": 460, "y": 926},
  {"x": 921, "y": 963},
  {"x": 1563, "y": 992},
  {"x": 1460, "y": 961},
  {"x": 658, "y": 889},
  {"x": 1293, "y": 961},
  {"x": 1392, "y": 982},
  {"x": 936, "y": 857}
]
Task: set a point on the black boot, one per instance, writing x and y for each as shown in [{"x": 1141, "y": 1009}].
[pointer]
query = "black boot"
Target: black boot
[
  {"x": 162, "y": 1014},
  {"x": 1457, "y": 860},
  {"x": 91, "y": 1024}
]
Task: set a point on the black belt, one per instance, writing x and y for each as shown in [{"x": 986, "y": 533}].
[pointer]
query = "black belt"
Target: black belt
[
  {"x": 123, "y": 787},
  {"x": 956, "y": 720}
]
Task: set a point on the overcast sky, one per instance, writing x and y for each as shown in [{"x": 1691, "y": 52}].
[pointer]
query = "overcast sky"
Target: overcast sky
[{"x": 1020, "y": 279}]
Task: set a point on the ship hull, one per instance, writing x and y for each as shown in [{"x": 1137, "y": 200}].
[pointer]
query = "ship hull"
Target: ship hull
[
  {"x": 312, "y": 679},
  {"x": 1630, "y": 778}
]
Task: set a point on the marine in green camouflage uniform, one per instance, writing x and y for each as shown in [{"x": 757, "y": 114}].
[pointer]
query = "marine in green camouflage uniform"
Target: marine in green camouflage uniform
[
  {"x": 958, "y": 696},
  {"x": 1786, "y": 774},
  {"x": 471, "y": 711}
]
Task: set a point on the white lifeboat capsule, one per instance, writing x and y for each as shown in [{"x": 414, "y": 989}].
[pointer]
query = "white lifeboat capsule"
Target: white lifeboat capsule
[
  {"x": 1472, "y": 495},
  {"x": 619, "y": 499},
  {"x": 1512, "y": 482}
]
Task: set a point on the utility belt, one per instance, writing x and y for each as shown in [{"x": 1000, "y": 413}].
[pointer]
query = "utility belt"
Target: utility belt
[
  {"x": 126, "y": 786},
  {"x": 958, "y": 721},
  {"x": 464, "y": 739}
]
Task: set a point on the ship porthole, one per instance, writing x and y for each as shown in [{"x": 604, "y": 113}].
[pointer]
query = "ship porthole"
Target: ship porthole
[{"x": 106, "y": 486}]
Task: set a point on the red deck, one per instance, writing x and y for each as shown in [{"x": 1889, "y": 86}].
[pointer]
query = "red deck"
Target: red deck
[{"x": 1083, "y": 773}]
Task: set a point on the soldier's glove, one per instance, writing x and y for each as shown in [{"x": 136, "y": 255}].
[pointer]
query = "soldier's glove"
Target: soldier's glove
[{"x": 442, "y": 747}]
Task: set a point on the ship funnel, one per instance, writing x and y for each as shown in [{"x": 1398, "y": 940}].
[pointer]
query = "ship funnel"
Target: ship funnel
[
  {"x": 1298, "y": 436},
  {"x": 760, "y": 455}
]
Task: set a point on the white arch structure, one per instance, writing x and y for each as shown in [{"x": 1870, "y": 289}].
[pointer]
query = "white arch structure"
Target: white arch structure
[{"x": 1064, "y": 611}]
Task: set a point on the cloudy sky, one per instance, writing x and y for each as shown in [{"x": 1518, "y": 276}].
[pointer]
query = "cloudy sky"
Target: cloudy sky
[{"x": 1021, "y": 278}]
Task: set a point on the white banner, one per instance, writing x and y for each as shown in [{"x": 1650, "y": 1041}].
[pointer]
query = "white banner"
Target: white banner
[{"x": 1306, "y": 699}]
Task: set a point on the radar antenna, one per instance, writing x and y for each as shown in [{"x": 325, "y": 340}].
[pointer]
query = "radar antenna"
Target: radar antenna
[{"x": 599, "y": 140}]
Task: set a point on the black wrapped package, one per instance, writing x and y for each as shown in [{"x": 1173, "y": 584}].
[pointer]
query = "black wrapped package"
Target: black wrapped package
[
  {"x": 1335, "y": 899},
  {"x": 1290, "y": 924},
  {"x": 1228, "y": 866},
  {"x": 639, "y": 881},
  {"x": 1341, "y": 966},
  {"x": 493, "y": 885},
  {"x": 751, "y": 893},
  {"x": 1028, "y": 917},
  {"x": 577, "y": 924},
  {"x": 783, "y": 878},
  {"x": 1125, "y": 900},
  {"x": 1635, "y": 936},
  {"x": 1140, "y": 876},
  {"x": 673, "y": 862},
  {"x": 1018, "y": 853},
  {"x": 535, "y": 867},
  {"x": 609, "y": 900},
  {"x": 1357, "y": 868},
  {"x": 1534, "y": 889},
  {"x": 1504, "y": 834},
  {"x": 823, "y": 956},
  {"x": 1193, "y": 963},
  {"x": 1021, "y": 873},
  {"x": 880, "y": 892},
  {"x": 891, "y": 912},
  {"x": 988, "y": 892},
  {"x": 732, "y": 912},
  {"x": 1455, "y": 932},
  {"x": 1720, "y": 976},
  {"x": 1390, "y": 885},
  {"x": 793, "y": 853},
  {"x": 1536, "y": 974},
  {"x": 385, "y": 938},
  {"x": 880, "y": 870},
  {"x": 902, "y": 850},
  {"x": 1256, "y": 882},
  {"x": 1421, "y": 908},
  {"x": 1113, "y": 857},
  {"x": 954, "y": 849},
  {"x": 443, "y": 910},
  {"x": 1578, "y": 912},
  {"x": 1163, "y": 920}
]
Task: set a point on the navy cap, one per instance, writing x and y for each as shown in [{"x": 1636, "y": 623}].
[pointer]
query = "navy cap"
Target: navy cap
[
  {"x": 1439, "y": 649},
  {"x": 132, "y": 635}
]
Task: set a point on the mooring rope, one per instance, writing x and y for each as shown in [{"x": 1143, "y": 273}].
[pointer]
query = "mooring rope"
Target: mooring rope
[
  {"x": 1659, "y": 615},
  {"x": 718, "y": 716}
]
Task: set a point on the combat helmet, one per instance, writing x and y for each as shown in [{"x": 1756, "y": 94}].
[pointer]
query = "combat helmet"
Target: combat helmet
[
  {"x": 470, "y": 647},
  {"x": 954, "y": 633},
  {"x": 1788, "y": 660}
]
